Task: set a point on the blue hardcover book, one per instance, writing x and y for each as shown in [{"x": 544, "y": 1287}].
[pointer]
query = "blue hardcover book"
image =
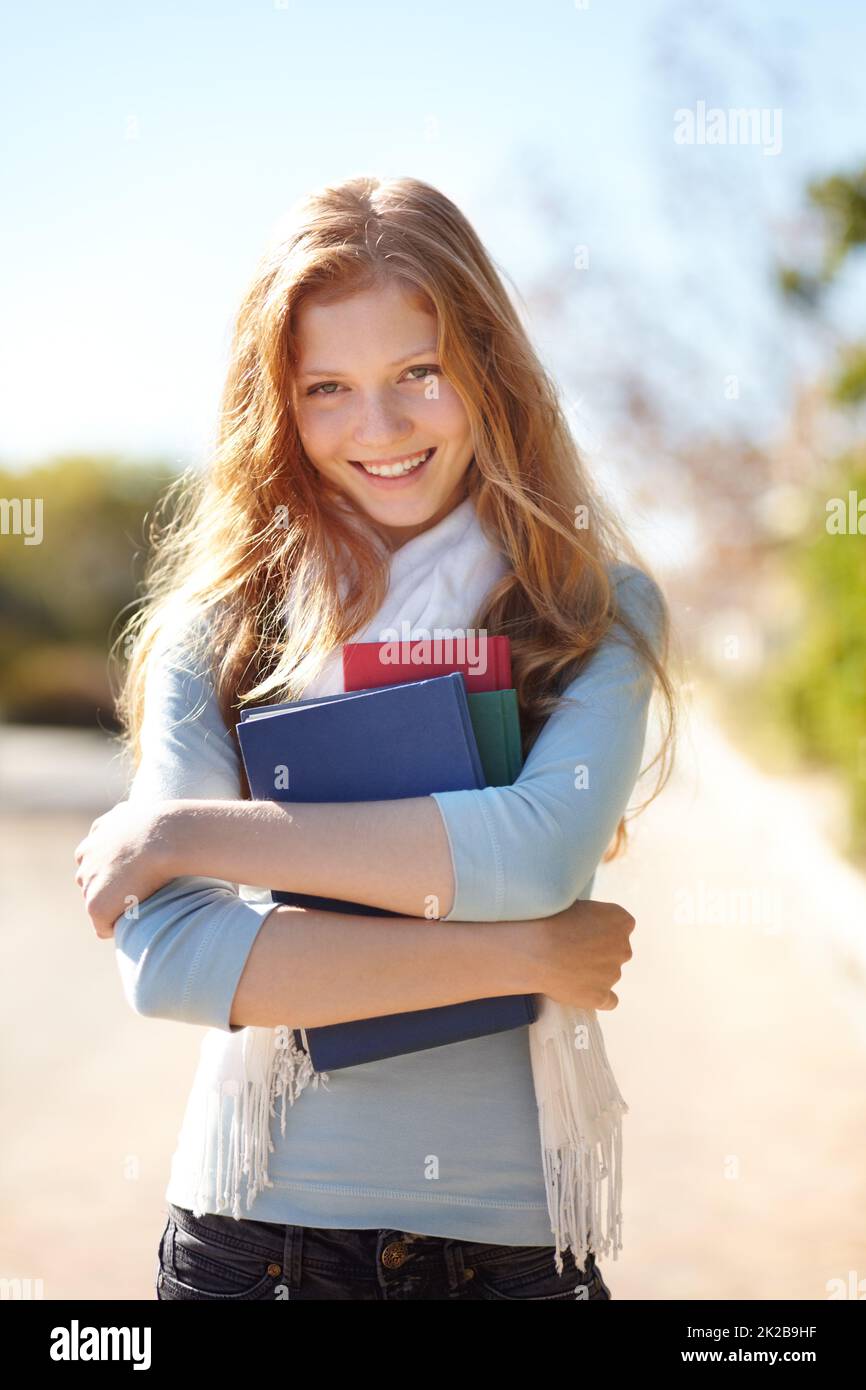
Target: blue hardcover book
[
  {"x": 495, "y": 722},
  {"x": 395, "y": 741}
]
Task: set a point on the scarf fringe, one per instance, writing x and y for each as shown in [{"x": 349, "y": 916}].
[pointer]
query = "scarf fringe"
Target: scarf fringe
[
  {"x": 580, "y": 1117},
  {"x": 283, "y": 1073}
]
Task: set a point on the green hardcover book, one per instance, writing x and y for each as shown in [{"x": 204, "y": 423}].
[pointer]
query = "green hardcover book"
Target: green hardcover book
[{"x": 496, "y": 725}]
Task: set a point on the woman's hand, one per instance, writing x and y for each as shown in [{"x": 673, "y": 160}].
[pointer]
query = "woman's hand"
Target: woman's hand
[
  {"x": 585, "y": 947},
  {"x": 121, "y": 861}
]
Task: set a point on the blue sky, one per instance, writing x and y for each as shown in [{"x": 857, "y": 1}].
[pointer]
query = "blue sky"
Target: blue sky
[{"x": 151, "y": 149}]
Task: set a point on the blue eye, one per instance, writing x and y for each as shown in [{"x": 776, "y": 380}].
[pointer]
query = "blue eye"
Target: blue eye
[{"x": 321, "y": 387}]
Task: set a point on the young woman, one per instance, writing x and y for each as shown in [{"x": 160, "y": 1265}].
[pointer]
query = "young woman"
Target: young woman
[{"x": 389, "y": 448}]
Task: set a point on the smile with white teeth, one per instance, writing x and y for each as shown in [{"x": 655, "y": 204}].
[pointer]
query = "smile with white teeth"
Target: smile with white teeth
[{"x": 396, "y": 470}]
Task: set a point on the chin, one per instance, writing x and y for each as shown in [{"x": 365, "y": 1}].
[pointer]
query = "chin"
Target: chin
[{"x": 405, "y": 514}]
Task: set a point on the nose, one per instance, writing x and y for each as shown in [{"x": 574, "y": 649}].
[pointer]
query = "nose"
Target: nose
[{"x": 382, "y": 422}]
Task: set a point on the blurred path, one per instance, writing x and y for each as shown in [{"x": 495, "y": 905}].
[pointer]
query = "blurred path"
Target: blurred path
[
  {"x": 92, "y": 1095},
  {"x": 739, "y": 1044}
]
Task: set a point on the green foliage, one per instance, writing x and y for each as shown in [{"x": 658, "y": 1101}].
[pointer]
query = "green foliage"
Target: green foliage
[
  {"x": 849, "y": 387},
  {"x": 818, "y": 687},
  {"x": 841, "y": 199},
  {"x": 61, "y": 600}
]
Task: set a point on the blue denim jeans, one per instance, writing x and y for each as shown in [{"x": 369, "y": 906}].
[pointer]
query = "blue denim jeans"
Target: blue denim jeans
[{"x": 217, "y": 1257}]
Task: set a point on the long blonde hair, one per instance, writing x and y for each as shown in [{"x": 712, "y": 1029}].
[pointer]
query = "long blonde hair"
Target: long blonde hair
[{"x": 260, "y": 517}]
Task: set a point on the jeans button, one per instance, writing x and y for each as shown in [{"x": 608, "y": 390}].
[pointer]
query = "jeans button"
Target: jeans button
[{"x": 394, "y": 1254}]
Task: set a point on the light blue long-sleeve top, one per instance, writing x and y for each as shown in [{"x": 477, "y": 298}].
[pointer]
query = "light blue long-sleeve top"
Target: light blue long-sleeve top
[{"x": 443, "y": 1142}]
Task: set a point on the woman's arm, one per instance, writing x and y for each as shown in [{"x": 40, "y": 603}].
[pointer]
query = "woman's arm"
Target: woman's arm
[
  {"x": 181, "y": 950},
  {"x": 316, "y": 968},
  {"x": 391, "y": 854},
  {"x": 499, "y": 853},
  {"x": 198, "y": 954},
  {"x": 528, "y": 850}
]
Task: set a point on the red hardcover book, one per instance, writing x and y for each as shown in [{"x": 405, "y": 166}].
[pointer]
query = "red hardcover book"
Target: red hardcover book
[{"x": 484, "y": 662}]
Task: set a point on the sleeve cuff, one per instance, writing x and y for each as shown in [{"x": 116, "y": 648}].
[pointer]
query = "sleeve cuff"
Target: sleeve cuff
[
  {"x": 249, "y": 930},
  {"x": 183, "y": 957},
  {"x": 474, "y": 846}
]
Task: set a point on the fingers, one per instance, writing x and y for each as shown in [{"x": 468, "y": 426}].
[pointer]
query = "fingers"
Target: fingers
[
  {"x": 79, "y": 850},
  {"x": 104, "y": 929}
]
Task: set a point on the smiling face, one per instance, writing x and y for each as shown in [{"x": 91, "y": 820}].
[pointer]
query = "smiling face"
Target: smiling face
[{"x": 371, "y": 404}]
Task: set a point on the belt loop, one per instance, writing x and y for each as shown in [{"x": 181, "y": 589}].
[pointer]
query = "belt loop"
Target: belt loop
[
  {"x": 293, "y": 1252},
  {"x": 454, "y": 1265},
  {"x": 166, "y": 1254}
]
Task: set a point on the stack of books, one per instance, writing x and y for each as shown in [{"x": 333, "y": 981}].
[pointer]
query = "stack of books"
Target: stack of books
[{"x": 390, "y": 735}]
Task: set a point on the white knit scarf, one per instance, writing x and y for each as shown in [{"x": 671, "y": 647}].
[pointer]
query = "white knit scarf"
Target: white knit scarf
[{"x": 437, "y": 580}]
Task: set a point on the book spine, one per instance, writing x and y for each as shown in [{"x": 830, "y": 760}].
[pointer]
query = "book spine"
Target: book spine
[{"x": 468, "y": 732}]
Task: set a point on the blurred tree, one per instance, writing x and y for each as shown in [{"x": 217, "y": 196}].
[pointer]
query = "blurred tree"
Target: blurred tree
[
  {"x": 59, "y": 599},
  {"x": 817, "y": 685},
  {"x": 840, "y": 202}
]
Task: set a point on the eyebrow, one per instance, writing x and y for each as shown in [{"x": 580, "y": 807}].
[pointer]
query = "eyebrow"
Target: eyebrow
[{"x": 331, "y": 371}]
